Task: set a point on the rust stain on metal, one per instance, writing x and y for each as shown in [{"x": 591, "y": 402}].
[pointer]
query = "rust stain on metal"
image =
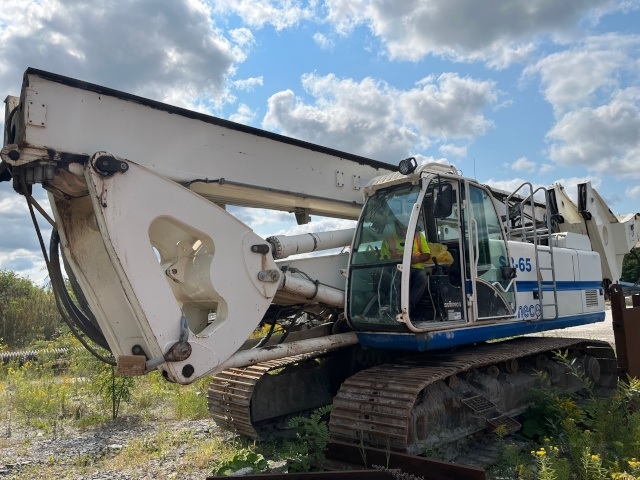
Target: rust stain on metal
[
  {"x": 402, "y": 462},
  {"x": 357, "y": 462},
  {"x": 626, "y": 332},
  {"x": 178, "y": 352}
]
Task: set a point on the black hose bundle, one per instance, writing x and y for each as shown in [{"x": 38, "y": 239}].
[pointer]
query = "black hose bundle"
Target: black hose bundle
[{"x": 79, "y": 322}]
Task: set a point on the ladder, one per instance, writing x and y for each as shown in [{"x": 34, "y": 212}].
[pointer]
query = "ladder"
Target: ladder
[
  {"x": 523, "y": 225},
  {"x": 484, "y": 408}
]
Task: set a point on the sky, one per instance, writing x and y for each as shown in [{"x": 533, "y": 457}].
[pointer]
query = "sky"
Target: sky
[{"x": 508, "y": 91}]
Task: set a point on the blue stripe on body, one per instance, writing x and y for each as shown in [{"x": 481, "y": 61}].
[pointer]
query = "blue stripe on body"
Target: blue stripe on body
[
  {"x": 561, "y": 286},
  {"x": 421, "y": 342},
  {"x": 532, "y": 286}
]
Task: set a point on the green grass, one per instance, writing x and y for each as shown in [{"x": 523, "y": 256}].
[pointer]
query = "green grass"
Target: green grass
[
  {"x": 567, "y": 436},
  {"x": 42, "y": 394},
  {"x": 46, "y": 400}
]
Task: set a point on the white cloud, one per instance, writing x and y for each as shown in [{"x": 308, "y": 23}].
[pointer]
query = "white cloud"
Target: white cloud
[
  {"x": 272, "y": 222},
  {"x": 168, "y": 51},
  {"x": 242, "y": 37},
  {"x": 633, "y": 192},
  {"x": 243, "y": 40},
  {"x": 598, "y": 114},
  {"x": 492, "y": 30},
  {"x": 318, "y": 224},
  {"x": 523, "y": 164},
  {"x": 347, "y": 115},
  {"x": 604, "y": 139},
  {"x": 573, "y": 78},
  {"x": 323, "y": 41},
  {"x": 453, "y": 150},
  {"x": 451, "y": 107},
  {"x": 244, "y": 114},
  {"x": 248, "y": 84},
  {"x": 373, "y": 119},
  {"x": 280, "y": 14},
  {"x": 423, "y": 160},
  {"x": 546, "y": 168},
  {"x": 13, "y": 205},
  {"x": 501, "y": 56},
  {"x": 25, "y": 263},
  {"x": 258, "y": 218},
  {"x": 345, "y": 15},
  {"x": 19, "y": 249},
  {"x": 507, "y": 185}
]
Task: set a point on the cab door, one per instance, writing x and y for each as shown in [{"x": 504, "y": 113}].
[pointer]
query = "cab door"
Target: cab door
[
  {"x": 445, "y": 298},
  {"x": 490, "y": 284}
]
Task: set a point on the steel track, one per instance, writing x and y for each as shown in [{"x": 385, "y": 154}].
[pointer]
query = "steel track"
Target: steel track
[
  {"x": 380, "y": 406},
  {"x": 230, "y": 392},
  {"x": 384, "y": 406}
]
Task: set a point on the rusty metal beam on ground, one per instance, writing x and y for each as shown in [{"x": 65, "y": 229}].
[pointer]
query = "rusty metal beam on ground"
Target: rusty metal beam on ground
[
  {"x": 411, "y": 464},
  {"x": 349, "y": 456},
  {"x": 626, "y": 332},
  {"x": 350, "y": 475}
]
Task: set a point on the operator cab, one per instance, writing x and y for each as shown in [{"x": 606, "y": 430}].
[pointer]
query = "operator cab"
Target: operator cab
[{"x": 466, "y": 280}]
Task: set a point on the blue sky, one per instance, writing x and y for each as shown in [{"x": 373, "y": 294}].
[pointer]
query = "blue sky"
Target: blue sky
[{"x": 508, "y": 91}]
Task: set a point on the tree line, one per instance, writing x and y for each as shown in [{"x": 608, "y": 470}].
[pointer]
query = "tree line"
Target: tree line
[
  {"x": 27, "y": 312},
  {"x": 631, "y": 267}
]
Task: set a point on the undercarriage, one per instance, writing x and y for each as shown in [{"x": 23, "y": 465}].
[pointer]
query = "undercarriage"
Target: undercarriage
[{"x": 410, "y": 402}]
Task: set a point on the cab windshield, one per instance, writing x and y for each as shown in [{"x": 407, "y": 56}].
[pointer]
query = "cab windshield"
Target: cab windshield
[
  {"x": 378, "y": 222},
  {"x": 374, "y": 292}
]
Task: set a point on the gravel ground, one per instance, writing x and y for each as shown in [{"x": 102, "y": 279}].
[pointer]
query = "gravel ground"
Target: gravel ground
[
  {"x": 83, "y": 455},
  {"x": 594, "y": 331}
]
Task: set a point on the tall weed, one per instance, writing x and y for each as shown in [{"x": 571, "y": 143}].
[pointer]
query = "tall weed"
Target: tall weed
[
  {"x": 581, "y": 436},
  {"x": 313, "y": 433}
]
